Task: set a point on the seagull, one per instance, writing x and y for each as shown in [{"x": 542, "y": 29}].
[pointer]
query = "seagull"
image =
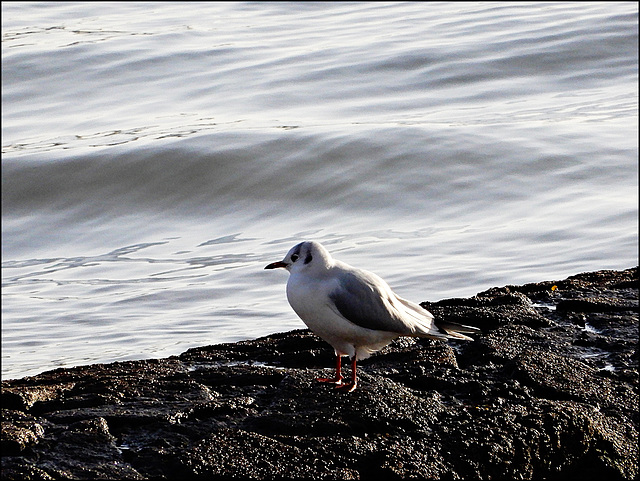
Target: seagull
[{"x": 354, "y": 310}]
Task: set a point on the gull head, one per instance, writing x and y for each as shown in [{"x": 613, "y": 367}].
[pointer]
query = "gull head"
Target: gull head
[{"x": 308, "y": 256}]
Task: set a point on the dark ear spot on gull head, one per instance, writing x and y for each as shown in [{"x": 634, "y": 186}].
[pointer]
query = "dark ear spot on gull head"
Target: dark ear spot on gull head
[{"x": 309, "y": 258}]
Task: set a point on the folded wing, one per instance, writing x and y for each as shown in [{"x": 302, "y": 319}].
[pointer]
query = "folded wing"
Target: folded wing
[{"x": 367, "y": 301}]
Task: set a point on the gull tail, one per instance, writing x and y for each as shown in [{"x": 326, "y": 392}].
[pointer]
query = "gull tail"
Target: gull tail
[{"x": 457, "y": 331}]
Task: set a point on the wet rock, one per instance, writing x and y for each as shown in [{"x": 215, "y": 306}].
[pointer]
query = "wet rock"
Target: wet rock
[
  {"x": 597, "y": 304},
  {"x": 550, "y": 391},
  {"x": 19, "y": 430}
]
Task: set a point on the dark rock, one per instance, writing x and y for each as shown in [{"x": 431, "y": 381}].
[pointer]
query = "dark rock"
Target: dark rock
[
  {"x": 19, "y": 430},
  {"x": 550, "y": 391},
  {"x": 597, "y": 304}
]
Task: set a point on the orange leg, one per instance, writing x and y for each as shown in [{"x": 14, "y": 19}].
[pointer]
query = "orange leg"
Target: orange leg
[
  {"x": 338, "y": 378},
  {"x": 350, "y": 386}
]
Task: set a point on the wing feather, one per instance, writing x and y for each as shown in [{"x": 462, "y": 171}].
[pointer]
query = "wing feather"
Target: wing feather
[{"x": 364, "y": 299}]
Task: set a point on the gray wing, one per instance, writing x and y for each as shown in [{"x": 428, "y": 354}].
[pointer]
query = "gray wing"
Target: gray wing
[{"x": 361, "y": 300}]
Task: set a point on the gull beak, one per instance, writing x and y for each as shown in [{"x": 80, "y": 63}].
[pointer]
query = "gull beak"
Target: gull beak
[{"x": 275, "y": 265}]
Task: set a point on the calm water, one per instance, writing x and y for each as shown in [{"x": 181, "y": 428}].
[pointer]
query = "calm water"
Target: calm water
[{"x": 155, "y": 156}]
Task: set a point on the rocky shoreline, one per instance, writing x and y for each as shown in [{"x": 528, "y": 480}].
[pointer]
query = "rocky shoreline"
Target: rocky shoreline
[{"x": 549, "y": 391}]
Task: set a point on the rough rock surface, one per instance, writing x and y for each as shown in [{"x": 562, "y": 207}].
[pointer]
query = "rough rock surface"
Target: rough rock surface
[{"x": 550, "y": 391}]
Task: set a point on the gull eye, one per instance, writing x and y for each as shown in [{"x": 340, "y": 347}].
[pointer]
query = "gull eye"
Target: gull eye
[{"x": 294, "y": 257}]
